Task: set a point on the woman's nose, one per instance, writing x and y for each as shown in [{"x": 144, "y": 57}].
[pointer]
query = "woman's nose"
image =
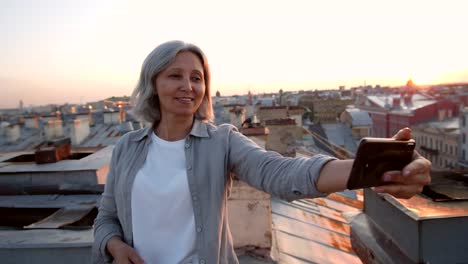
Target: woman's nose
[{"x": 186, "y": 85}]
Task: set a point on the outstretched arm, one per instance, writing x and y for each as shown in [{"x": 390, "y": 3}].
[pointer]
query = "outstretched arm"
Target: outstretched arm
[{"x": 401, "y": 184}]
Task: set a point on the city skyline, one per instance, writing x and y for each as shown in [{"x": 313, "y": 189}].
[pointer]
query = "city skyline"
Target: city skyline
[{"x": 68, "y": 51}]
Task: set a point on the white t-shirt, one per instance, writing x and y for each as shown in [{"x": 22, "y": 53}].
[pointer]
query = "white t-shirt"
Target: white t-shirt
[{"x": 162, "y": 213}]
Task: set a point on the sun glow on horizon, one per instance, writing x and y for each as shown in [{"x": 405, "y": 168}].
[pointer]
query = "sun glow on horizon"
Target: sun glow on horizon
[{"x": 70, "y": 51}]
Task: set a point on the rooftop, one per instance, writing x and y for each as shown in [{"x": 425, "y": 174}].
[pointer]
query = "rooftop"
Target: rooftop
[
  {"x": 340, "y": 135},
  {"x": 314, "y": 230},
  {"x": 450, "y": 126},
  {"x": 359, "y": 117},
  {"x": 386, "y": 101}
]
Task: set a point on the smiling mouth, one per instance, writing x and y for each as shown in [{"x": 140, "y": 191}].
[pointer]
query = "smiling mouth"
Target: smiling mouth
[{"x": 184, "y": 100}]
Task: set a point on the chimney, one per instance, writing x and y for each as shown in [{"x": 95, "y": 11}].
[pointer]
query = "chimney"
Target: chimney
[
  {"x": 121, "y": 114},
  {"x": 53, "y": 129},
  {"x": 296, "y": 113},
  {"x": 31, "y": 122},
  {"x": 3, "y": 128},
  {"x": 396, "y": 103},
  {"x": 56, "y": 150},
  {"x": 113, "y": 118},
  {"x": 12, "y": 133},
  {"x": 441, "y": 114},
  {"x": 408, "y": 99},
  {"x": 90, "y": 115},
  {"x": 237, "y": 116},
  {"x": 283, "y": 135},
  {"x": 58, "y": 115},
  {"x": 254, "y": 128},
  {"x": 79, "y": 131}
]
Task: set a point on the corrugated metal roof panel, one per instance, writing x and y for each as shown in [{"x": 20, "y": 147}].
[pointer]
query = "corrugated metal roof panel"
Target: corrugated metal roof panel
[{"x": 314, "y": 230}]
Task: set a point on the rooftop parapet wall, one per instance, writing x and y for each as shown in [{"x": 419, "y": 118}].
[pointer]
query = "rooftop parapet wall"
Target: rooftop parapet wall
[
  {"x": 91, "y": 169},
  {"x": 423, "y": 229}
]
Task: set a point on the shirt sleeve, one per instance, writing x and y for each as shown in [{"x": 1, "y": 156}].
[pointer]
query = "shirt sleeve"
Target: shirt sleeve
[
  {"x": 106, "y": 224},
  {"x": 284, "y": 177}
]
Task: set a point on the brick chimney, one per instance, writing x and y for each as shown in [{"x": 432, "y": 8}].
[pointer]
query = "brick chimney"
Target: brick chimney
[{"x": 56, "y": 150}]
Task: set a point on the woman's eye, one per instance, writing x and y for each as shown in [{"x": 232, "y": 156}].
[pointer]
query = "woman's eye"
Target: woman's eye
[
  {"x": 196, "y": 79},
  {"x": 174, "y": 75}
]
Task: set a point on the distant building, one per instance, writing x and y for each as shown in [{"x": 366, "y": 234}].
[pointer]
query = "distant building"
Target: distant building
[
  {"x": 265, "y": 113},
  {"x": 358, "y": 120},
  {"x": 271, "y": 112},
  {"x": 438, "y": 142},
  {"x": 325, "y": 109},
  {"x": 391, "y": 112},
  {"x": 37, "y": 129},
  {"x": 463, "y": 140}
]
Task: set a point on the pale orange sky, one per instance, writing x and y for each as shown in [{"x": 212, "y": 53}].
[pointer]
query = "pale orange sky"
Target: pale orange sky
[{"x": 72, "y": 51}]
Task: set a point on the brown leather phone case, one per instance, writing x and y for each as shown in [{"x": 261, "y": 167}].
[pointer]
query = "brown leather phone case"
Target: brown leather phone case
[{"x": 376, "y": 156}]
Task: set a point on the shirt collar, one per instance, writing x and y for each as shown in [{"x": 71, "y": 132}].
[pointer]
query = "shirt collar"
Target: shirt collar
[{"x": 199, "y": 129}]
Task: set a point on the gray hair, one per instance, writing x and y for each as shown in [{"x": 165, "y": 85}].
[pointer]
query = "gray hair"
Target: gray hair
[{"x": 144, "y": 98}]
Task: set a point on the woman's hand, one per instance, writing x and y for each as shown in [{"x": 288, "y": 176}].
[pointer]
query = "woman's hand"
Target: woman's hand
[
  {"x": 123, "y": 253},
  {"x": 411, "y": 180}
]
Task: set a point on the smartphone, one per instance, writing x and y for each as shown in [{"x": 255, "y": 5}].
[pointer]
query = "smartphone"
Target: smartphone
[{"x": 376, "y": 156}]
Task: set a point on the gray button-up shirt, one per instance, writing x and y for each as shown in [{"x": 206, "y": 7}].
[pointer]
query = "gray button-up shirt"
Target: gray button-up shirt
[{"x": 212, "y": 153}]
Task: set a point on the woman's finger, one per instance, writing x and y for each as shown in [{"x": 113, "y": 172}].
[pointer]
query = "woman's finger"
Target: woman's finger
[
  {"x": 418, "y": 166},
  {"x": 403, "y": 134},
  {"x": 135, "y": 258},
  {"x": 400, "y": 190},
  {"x": 397, "y": 177}
]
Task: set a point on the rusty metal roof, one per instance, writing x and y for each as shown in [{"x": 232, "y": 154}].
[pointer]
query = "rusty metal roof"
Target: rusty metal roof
[{"x": 314, "y": 230}]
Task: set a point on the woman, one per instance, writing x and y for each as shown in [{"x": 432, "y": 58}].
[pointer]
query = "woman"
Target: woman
[{"x": 167, "y": 188}]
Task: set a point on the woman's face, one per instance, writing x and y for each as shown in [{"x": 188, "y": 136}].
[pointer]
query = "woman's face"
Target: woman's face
[{"x": 181, "y": 86}]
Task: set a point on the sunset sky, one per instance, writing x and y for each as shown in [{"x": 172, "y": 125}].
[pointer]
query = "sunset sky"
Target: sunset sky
[{"x": 79, "y": 51}]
